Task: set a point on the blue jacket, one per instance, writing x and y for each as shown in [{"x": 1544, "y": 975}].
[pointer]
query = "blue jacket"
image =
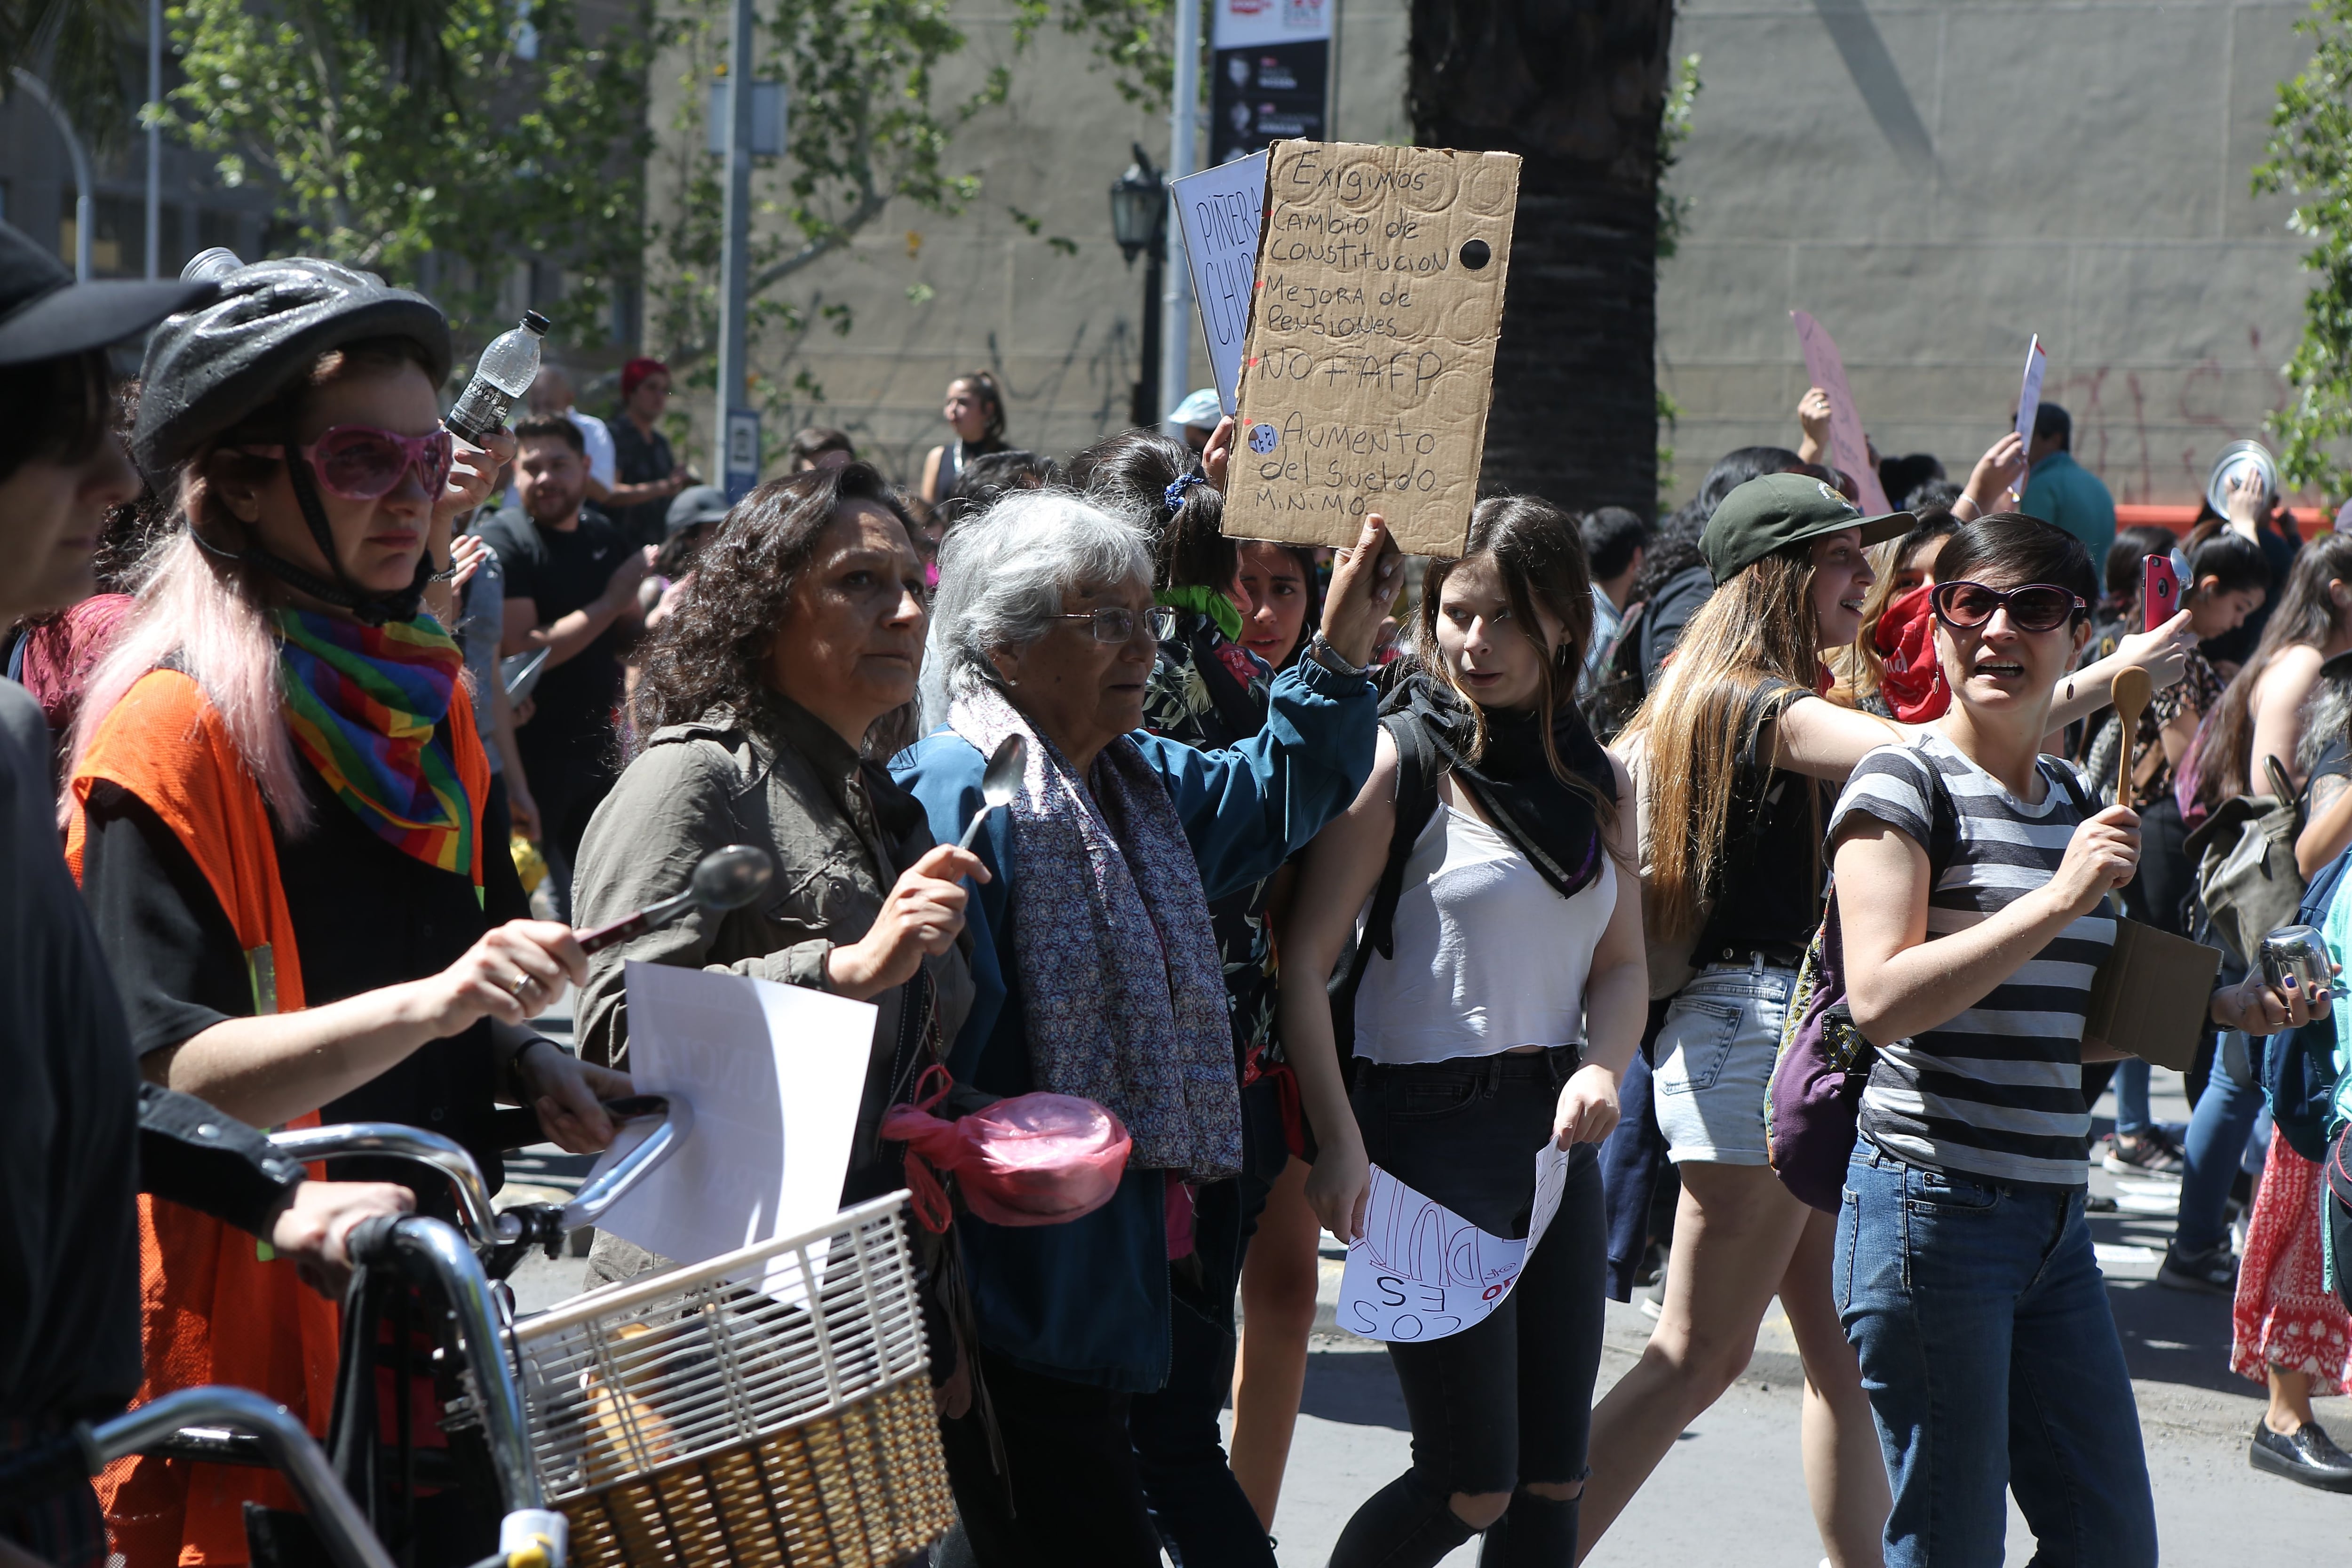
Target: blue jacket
[{"x": 1087, "y": 1302}]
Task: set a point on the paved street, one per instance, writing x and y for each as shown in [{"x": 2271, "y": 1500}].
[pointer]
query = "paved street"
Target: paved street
[
  {"x": 1734, "y": 1490},
  {"x": 1735, "y": 1477}
]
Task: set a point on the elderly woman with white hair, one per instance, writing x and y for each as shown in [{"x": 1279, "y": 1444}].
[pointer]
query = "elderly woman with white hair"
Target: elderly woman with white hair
[{"x": 1096, "y": 973}]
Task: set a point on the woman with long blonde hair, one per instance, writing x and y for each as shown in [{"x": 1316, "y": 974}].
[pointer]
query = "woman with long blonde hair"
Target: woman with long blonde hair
[{"x": 1732, "y": 753}]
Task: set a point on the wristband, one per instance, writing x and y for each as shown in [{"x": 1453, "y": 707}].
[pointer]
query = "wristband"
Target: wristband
[{"x": 1319, "y": 650}]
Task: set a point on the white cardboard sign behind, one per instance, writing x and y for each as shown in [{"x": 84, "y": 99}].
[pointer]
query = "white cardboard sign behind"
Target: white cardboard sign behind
[
  {"x": 1420, "y": 1271},
  {"x": 2029, "y": 394},
  {"x": 1218, "y": 210},
  {"x": 774, "y": 1074},
  {"x": 1370, "y": 361},
  {"x": 1848, "y": 449}
]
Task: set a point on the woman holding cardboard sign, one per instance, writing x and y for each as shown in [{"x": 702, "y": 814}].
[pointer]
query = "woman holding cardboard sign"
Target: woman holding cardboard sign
[
  {"x": 1502, "y": 1018},
  {"x": 1964, "y": 1273}
]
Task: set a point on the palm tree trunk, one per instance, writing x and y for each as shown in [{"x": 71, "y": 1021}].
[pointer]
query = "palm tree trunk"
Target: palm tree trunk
[{"x": 1576, "y": 88}]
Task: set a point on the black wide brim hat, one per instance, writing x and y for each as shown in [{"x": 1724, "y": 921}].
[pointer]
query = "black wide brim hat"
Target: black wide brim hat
[{"x": 45, "y": 314}]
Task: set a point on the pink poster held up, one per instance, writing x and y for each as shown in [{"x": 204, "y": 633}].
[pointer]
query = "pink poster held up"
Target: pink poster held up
[{"x": 1847, "y": 448}]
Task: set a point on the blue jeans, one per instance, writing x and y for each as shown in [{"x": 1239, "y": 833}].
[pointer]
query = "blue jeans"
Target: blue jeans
[
  {"x": 1991, "y": 1360},
  {"x": 2216, "y": 1143},
  {"x": 2131, "y": 1096}
]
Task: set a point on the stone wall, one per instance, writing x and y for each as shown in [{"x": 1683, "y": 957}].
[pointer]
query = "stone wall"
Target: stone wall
[
  {"x": 1059, "y": 330},
  {"x": 1937, "y": 181}
]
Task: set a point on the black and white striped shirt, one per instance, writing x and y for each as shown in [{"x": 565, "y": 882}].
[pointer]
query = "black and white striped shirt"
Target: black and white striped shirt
[{"x": 1997, "y": 1091}]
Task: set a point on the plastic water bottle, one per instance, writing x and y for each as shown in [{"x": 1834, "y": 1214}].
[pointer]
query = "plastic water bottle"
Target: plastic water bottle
[
  {"x": 503, "y": 373},
  {"x": 211, "y": 266}
]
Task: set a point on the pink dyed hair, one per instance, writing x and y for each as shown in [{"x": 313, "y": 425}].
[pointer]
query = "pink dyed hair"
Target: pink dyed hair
[
  {"x": 209, "y": 615},
  {"x": 205, "y": 617}
]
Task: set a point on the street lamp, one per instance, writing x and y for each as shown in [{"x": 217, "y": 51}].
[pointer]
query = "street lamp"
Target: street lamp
[{"x": 1139, "y": 220}]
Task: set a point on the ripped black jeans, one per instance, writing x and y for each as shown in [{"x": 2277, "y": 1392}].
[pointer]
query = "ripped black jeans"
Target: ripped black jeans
[{"x": 1508, "y": 1401}]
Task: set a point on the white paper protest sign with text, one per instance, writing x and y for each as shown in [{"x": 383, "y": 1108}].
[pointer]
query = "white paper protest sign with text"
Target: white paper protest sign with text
[
  {"x": 774, "y": 1074},
  {"x": 1218, "y": 210},
  {"x": 1370, "y": 357},
  {"x": 1848, "y": 448},
  {"x": 2029, "y": 392},
  {"x": 1420, "y": 1271}
]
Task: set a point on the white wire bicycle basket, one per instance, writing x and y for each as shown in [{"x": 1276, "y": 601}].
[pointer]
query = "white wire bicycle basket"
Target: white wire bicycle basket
[{"x": 768, "y": 1407}]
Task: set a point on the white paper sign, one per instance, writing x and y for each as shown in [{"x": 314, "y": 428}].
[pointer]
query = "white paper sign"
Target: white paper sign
[
  {"x": 1220, "y": 210},
  {"x": 1848, "y": 449},
  {"x": 1420, "y": 1271},
  {"x": 774, "y": 1074},
  {"x": 2029, "y": 396}
]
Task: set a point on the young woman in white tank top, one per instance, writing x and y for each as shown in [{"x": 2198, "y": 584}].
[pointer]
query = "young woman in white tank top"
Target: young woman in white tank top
[{"x": 1515, "y": 993}]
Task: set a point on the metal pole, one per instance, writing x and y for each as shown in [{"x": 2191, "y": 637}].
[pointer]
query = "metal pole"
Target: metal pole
[
  {"x": 1148, "y": 385},
  {"x": 735, "y": 256},
  {"x": 1176, "y": 310},
  {"x": 154, "y": 137},
  {"x": 85, "y": 203}
]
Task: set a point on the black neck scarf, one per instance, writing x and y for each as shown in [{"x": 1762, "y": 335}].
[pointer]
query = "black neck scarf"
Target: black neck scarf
[{"x": 1555, "y": 825}]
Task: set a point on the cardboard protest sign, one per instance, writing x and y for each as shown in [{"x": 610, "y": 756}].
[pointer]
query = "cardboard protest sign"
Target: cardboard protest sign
[
  {"x": 1370, "y": 356},
  {"x": 1218, "y": 210},
  {"x": 2029, "y": 395},
  {"x": 1420, "y": 1271},
  {"x": 1848, "y": 450}
]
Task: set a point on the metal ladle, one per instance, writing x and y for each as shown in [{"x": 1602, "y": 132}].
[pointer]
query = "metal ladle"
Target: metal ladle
[{"x": 725, "y": 878}]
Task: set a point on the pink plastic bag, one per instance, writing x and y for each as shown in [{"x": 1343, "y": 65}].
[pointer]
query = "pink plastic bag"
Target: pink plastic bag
[{"x": 1034, "y": 1159}]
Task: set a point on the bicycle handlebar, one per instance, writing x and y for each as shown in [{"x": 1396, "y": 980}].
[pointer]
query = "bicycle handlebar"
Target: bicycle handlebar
[
  {"x": 289, "y": 1448},
  {"x": 590, "y": 1204},
  {"x": 414, "y": 1244},
  {"x": 444, "y": 1154}
]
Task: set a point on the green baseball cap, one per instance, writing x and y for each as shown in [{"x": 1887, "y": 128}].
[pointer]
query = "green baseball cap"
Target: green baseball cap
[{"x": 1779, "y": 509}]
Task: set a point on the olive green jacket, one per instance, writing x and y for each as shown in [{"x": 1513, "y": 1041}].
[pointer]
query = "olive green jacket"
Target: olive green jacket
[{"x": 841, "y": 832}]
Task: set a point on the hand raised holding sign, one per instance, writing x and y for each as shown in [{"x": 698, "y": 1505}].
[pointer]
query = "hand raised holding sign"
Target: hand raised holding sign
[{"x": 1363, "y": 585}]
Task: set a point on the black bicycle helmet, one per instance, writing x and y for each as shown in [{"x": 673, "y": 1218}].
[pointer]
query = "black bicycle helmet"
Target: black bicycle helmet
[{"x": 210, "y": 368}]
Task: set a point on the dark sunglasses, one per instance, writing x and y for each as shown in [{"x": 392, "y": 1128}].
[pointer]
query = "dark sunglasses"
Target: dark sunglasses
[
  {"x": 360, "y": 462},
  {"x": 2036, "y": 608}
]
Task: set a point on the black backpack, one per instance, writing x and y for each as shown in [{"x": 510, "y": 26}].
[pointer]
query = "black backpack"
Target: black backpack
[{"x": 1418, "y": 768}]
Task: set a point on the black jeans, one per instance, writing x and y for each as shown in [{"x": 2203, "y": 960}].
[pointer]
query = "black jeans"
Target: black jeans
[
  {"x": 1203, "y": 1515},
  {"x": 1076, "y": 1500},
  {"x": 1509, "y": 1400}
]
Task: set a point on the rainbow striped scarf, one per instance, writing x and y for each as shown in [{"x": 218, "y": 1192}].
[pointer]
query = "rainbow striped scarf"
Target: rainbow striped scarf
[{"x": 362, "y": 702}]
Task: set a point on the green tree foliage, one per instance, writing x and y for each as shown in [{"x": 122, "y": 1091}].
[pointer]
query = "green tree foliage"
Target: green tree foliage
[
  {"x": 75, "y": 46},
  {"x": 2311, "y": 157},
  {"x": 392, "y": 130}
]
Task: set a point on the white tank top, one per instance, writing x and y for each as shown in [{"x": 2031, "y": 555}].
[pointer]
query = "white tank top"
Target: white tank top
[{"x": 1488, "y": 956}]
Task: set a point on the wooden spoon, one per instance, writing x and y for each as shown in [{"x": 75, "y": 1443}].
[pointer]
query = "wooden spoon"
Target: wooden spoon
[{"x": 2130, "y": 695}]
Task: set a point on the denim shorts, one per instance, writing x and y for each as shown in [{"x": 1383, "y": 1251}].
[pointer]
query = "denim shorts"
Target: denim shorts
[{"x": 1714, "y": 1061}]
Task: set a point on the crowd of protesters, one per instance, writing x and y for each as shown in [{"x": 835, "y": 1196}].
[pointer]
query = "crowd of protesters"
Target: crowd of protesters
[{"x": 1307, "y": 874}]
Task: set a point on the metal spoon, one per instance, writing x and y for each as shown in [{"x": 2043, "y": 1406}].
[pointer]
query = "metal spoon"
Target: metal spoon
[
  {"x": 2130, "y": 694},
  {"x": 999, "y": 783},
  {"x": 725, "y": 878}
]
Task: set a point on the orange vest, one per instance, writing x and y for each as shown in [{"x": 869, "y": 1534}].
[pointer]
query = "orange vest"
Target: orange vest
[{"x": 214, "y": 1305}]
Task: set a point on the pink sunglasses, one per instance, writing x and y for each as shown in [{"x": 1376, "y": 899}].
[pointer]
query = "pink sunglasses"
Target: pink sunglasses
[{"x": 360, "y": 462}]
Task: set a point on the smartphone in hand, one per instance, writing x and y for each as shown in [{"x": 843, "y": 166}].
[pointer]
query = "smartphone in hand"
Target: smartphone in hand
[{"x": 2159, "y": 592}]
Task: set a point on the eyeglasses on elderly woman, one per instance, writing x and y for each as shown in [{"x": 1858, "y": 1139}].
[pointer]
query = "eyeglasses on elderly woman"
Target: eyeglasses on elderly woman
[{"x": 1115, "y": 626}]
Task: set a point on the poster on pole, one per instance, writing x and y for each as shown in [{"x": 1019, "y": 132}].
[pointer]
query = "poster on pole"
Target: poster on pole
[
  {"x": 1848, "y": 449},
  {"x": 1420, "y": 1271},
  {"x": 1269, "y": 73},
  {"x": 2029, "y": 394},
  {"x": 1218, "y": 210},
  {"x": 1370, "y": 362}
]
